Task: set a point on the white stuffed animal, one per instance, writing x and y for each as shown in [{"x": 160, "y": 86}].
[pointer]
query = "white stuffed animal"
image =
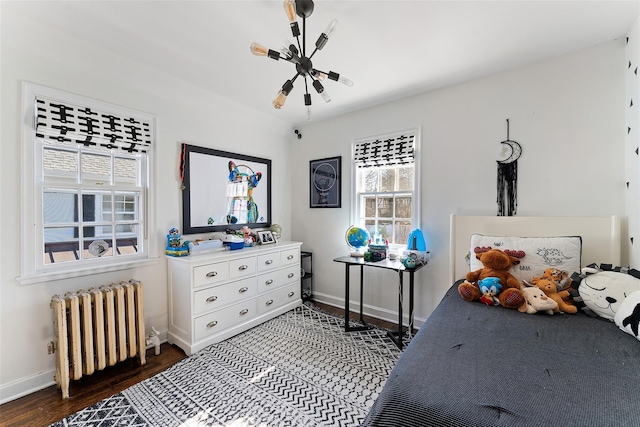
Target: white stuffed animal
[{"x": 536, "y": 300}]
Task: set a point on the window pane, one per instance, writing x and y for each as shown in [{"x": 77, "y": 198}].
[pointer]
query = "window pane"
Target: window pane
[
  {"x": 369, "y": 181},
  {"x": 369, "y": 204},
  {"x": 60, "y": 244},
  {"x": 387, "y": 180},
  {"x": 402, "y": 231},
  {"x": 125, "y": 171},
  {"x": 59, "y": 207},
  {"x": 385, "y": 229},
  {"x": 98, "y": 248},
  {"x": 96, "y": 168},
  {"x": 127, "y": 239},
  {"x": 370, "y": 225},
  {"x": 405, "y": 179},
  {"x": 403, "y": 207},
  {"x": 59, "y": 165},
  {"x": 385, "y": 207}
]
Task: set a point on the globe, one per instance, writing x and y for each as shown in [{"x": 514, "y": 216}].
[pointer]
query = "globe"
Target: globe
[{"x": 357, "y": 238}]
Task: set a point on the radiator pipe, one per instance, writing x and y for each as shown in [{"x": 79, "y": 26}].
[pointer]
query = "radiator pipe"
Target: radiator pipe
[{"x": 154, "y": 339}]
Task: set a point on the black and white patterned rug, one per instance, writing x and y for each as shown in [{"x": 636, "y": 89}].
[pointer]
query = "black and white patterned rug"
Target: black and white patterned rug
[{"x": 299, "y": 369}]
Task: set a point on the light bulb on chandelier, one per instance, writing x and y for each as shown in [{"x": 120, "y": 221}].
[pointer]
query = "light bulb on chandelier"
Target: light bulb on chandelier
[{"x": 298, "y": 55}]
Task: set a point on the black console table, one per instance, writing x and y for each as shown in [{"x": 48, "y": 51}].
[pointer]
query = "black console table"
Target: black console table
[{"x": 348, "y": 261}]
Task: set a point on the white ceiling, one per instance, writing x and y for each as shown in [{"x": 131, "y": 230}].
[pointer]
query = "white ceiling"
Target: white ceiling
[{"x": 389, "y": 48}]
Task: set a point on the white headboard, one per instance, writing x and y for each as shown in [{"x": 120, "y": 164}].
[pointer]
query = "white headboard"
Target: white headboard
[{"x": 601, "y": 241}]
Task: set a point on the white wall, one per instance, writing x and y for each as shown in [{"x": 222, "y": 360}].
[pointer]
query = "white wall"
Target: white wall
[
  {"x": 631, "y": 67},
  {"x": 44, "y": 56},
  {"x": 568, "y": 115}
]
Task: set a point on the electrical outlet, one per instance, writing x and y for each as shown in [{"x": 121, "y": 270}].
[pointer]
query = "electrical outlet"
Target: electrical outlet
[{"x": 51, "y": 347}]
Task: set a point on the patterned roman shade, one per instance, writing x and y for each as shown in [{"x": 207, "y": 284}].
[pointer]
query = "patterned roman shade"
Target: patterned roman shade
[
  {"x": 66, "y": 122},
  {"x": 393, "y": 150}
]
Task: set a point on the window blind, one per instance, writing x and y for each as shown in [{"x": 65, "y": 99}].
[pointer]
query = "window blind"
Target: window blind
[
  {"x": 388, "y": 151},
  {"x": 66, "y": 122}
]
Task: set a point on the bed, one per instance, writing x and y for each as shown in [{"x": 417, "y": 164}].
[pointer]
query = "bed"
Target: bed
[{"x": 475, "y": 365}]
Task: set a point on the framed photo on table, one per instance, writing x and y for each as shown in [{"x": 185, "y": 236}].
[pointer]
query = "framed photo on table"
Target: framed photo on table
[
  {"x": 325, "y": 183},
  {"x": 266, "y": 237}
]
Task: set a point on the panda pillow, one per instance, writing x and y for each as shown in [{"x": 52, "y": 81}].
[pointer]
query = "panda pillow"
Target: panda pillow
[
  {"x": 628, "y": 315},
  {"x": 602, "y": 293}
]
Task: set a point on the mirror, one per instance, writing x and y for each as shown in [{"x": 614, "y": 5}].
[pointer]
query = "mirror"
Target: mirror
[{"x": 223, "y": 190}]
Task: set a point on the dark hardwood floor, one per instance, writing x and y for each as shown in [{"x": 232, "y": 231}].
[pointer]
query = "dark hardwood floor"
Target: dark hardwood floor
[{"x": 47, "y": 406}]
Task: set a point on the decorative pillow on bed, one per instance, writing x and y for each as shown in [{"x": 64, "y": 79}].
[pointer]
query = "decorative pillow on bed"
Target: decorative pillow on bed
[
  {"x": 602, "y": 289},
  {"x": 540, "y": 253},
  {"x": 628, "y": 315}
]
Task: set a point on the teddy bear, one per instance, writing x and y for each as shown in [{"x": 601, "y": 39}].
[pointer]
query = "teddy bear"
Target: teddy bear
[
  {"x": 562, "y": 298},
  {"x": 536, "y": 301},
  {"x": 496, "y": 263},
  {"x": 559, "y": 277}
]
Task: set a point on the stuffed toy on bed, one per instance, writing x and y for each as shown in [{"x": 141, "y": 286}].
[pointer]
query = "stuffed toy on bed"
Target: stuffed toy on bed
[
  {"x": 496, "y": 263},
  {"x": 562, "y": 298},
  {"x": 536, "y": 301}
]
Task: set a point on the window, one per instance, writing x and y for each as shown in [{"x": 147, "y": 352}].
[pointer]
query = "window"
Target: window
[
  {"x": 386, "y": 185},
  {"x": 86, "y": 188}
]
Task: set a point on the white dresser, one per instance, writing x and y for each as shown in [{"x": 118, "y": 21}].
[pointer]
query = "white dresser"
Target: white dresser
[{"x": 215, "y": 296}]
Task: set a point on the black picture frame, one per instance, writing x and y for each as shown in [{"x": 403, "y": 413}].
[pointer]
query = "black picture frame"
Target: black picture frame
[
  {"x": 325, "y": 183},
  {"x": 206, "y": 180}
]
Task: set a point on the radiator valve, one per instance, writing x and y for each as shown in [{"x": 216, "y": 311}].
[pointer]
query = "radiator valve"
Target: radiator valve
[{"x": 154, "y": 339}]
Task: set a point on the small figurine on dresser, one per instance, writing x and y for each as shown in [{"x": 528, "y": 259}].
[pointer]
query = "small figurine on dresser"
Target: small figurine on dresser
[{"x": 175, "y": 245}]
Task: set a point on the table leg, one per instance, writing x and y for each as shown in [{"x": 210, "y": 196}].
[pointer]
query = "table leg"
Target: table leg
[
  {"x": 411, "y": 304},
  {"x": 396, "y": 337},
  {"x": 347, "y": 327}
]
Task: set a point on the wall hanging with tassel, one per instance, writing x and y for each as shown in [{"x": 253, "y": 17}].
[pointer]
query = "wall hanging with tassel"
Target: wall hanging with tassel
[{"x": 508, "y": 177}]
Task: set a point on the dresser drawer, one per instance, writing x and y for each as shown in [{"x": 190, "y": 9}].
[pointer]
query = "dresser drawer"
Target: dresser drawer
[
  {"x": 277, "y": 278},
  {"x": 210, "y": 273},
  {"x": 220, "y": 320},
  {"x": 242, "y": 267},
  {"x": 290, "y": 257},
  {"x": 218, "y": 296},
  {"x": 269, "y": 261},
  {"x": 278, "y": 298}
]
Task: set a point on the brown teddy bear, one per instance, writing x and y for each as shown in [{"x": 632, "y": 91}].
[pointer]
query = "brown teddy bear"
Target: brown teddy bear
[
  {"x": 496, "y": 263},
  {"x": 559, "y": 277},
  {"x": 561, "y": 297}
]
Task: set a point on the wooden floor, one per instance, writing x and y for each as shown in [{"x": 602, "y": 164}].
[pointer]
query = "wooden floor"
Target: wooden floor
[{"x": 47, "y": 406}]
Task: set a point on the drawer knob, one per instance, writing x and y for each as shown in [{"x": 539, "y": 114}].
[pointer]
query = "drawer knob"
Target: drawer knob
[
  {"x": 212, "y": 324},
  {"x": 212, "y": 274},
  {"x": 243, "y": 267},
  {"x": 243, "y": 290},
  {"x": 291, "y": 294},
  {"x": 290, "y": 257},
  {"x": 212, "y": 299},
  {"x": 269, "y": 262},
  {"x": 268, "y": 282},
  {"x": 269, "y": 302},
  {"x": 290, "y": 275},
  {"x": 243, "y": 312}
]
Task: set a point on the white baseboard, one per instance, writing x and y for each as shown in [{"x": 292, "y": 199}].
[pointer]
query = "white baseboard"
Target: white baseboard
[
  {"x": 369, "y": 310},
  {"x": 25, "y": 386}
]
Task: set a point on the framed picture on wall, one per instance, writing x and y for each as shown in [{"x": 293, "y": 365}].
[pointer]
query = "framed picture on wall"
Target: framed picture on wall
[{"x": 325, "y": 183}]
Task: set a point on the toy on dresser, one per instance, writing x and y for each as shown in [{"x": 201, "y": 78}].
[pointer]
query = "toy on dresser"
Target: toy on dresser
[{"x": 175, "y": 246}]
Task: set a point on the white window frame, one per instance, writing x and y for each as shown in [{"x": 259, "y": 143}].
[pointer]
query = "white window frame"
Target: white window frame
[
  {"x": 33, "y": 269},
  {"x": 415, "y": 195}
]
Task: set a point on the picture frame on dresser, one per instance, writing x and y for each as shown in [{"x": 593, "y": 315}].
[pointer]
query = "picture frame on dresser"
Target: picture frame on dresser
[
  {"x": 266, "y": 237},
  {"x": 223, "y": 190}
]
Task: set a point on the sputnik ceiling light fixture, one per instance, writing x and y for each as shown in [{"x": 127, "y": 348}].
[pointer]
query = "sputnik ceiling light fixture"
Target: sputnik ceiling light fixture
[{"x": 298, "y": 55}]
